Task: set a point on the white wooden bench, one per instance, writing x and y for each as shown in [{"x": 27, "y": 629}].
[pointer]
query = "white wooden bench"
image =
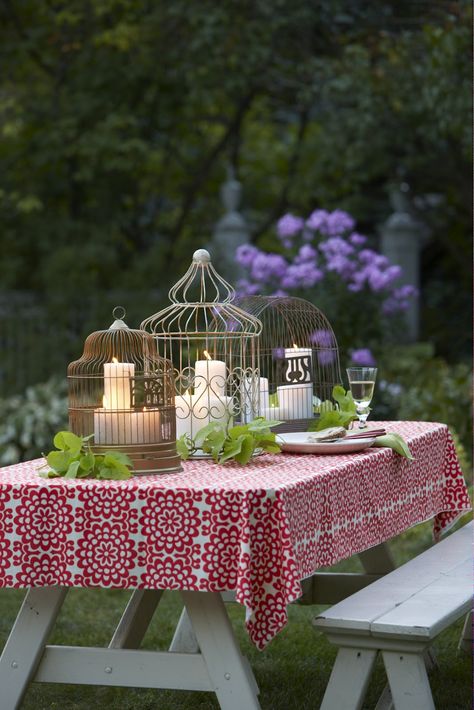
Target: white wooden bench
[{"x": 398, "y": 615}]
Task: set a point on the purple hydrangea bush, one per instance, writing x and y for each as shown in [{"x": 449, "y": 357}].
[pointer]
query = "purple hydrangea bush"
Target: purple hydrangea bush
[{"x": 325, "y": 260}]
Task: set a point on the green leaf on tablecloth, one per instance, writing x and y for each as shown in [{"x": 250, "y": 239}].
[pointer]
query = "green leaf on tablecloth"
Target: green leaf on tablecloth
[
  {"x": 260, "y": 424},
  {"x": 87, "y": 461},
  {"x": 182, "y": 447},
  {"x": 269, "y": 445},
  {"x": 72, "y": 470},
  {"x": 67, "y": 441},
  {"x": 118, "y": 456},
  {"x": 344, "y": 399},
  {"x": 203, "y": 433},
  {"x": 238, "y": 442},
  {"x": 231, "y": 449},
  {"x": 75, "y": 459},
  {"x": 59, "y": 461},
  {"x": 213, "y": 443},
  {"x": 395, "y": 442},
  {"x": 246, "y": 451}
]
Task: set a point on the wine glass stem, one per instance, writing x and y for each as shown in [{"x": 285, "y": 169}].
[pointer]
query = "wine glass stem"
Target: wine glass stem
[{"x": 363, "y": 419}]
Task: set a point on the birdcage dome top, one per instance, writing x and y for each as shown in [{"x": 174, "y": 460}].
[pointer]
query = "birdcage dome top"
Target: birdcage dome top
[
  {"x": 202, "y": 302},
  {"x": 117, "y": 342}
]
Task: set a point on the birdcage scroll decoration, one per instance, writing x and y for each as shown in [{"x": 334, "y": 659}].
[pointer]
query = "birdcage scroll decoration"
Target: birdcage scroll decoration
[
  {"x": 214, "y": 347},
  {"x": 122, "y": 392},
  {"x": 299, "y": 359}
]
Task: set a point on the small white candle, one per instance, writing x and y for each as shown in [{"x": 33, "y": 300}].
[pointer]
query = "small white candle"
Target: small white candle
[
  {"x": 297, "y": 400},
  {"x": 275, "y": 413},
  {"x": 117, "y": 376},
  {"x": 145, "y": 427},
  {"x": 298, "y": 368},
  {"x": 126, "y": 428},
  {"x": 210, "y": 377}
]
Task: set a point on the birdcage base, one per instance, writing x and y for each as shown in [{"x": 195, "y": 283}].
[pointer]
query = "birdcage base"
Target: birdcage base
[{"x": 148, "y": 459}]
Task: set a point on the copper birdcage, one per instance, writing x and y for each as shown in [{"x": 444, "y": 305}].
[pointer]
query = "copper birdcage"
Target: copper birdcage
[
  {"x": 214, "y": 348},
  {"x": 299, "y": 359},
  {"x": 122, "y": 392}
]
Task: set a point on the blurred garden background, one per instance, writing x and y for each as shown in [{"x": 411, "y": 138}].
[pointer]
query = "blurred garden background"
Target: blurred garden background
[{"x": 314, "y": 147}]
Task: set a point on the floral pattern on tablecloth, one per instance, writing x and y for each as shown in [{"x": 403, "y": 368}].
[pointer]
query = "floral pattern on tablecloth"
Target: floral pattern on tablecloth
[{"x": 257, "y": 529}]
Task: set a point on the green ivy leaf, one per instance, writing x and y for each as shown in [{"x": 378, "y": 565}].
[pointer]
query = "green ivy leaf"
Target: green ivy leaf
[
  {"x": 395, "y": 442},
  {"x": 231, "y": 449},
  {"x": 246, "y": 450},
  {"x": 59, "y": 461},
  {"x": 87, "y": 461},
  {"x": 118, "y": 456},
  {"x": 182, "y": 448},
  {"x": 204, "y": 433},
  {"x": 72, "y": 470},
  {"x": 67, "y": 441}
]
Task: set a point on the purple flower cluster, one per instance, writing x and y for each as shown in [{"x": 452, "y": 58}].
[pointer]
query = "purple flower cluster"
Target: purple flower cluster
[
  {"x": 363, "y": 357},
  {"x": 324, "y": 244}
]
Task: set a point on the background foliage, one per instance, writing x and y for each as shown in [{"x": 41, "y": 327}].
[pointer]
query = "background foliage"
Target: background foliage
[{"x": 117, "y": 118}]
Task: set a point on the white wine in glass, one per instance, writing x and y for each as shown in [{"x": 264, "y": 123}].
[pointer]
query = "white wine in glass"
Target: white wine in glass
[{"x": 362, "y": 383}]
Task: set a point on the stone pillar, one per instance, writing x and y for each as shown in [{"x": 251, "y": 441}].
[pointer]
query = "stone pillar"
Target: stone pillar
[
  {"x": 230, "y": 232},
  {"x": 402, "y": 237}
]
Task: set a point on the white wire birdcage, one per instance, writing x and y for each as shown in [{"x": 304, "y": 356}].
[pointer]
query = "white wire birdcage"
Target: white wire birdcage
[
  {"x": 299, "y": 358},
  {"x": 122, "y": 392},
  {"x": 213, "y": 345}
]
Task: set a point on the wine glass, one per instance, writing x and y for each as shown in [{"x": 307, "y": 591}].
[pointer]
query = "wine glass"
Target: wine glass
[{"x": 362, "y": 383}]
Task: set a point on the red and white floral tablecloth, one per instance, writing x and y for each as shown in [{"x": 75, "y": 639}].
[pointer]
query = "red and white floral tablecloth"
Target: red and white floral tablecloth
[{"x": 257, "y": 529}]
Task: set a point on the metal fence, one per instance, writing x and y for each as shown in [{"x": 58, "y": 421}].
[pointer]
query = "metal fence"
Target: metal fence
[{"x": 39, "y": 337}]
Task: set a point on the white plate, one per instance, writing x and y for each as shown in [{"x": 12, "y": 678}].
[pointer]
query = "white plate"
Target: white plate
[{"x": 297, "y": 442}]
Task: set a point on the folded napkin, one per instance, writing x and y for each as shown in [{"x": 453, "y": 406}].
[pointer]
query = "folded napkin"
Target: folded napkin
[{"x": 330, "y": 434}]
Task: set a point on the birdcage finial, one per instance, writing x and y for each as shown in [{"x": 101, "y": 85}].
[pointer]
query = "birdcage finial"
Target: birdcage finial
[
  {"x": 118, "y": 313},
  {"x": 201, "y": 256}
]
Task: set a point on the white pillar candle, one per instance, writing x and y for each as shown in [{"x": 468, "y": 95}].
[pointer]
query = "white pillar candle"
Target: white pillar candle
[
  {"x": 210, "y": 377},
  {"x": 250, "y": 397},
  {"x": 297, "y": 400},
  {"x": 117, "y": 376},
  {"x": 193, "y": 413},
  {"x": 298, "y": 365},
  {"x": 264, "y": 394},
  {"x": 184, "y": 415}
]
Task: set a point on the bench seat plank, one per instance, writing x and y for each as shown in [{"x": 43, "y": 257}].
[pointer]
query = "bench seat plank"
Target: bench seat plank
[{"x": 431, "y": 570}]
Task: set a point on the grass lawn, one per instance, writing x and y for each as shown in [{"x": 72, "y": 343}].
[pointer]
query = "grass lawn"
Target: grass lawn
[{"x": 292, "y": 673}]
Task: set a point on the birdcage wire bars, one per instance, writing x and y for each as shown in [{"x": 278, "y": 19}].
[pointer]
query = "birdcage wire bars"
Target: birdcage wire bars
[
  {"x": 213, "y": 345},
  {"x": 299, "y": 359},
  {"x": 122, "y": 392}
]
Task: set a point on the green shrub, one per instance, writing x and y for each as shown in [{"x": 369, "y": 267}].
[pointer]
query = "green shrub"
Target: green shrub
[
  {"x": 414, "y": 384},
  {"x": 30, "y": 420}
]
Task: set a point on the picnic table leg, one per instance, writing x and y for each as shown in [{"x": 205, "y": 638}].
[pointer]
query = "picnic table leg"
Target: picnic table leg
[
  {"x": 377, "y": 560},
  {"x": 466, "y": 641},
  {"x": 234, "y": 688},
  {"x": 349, "y": 679},
  {"x": 408, "y": 680},
  {"x": 184, "y": 639},
  {"x": 25, "y": 645},
  {"x": 136, "y": 618}
]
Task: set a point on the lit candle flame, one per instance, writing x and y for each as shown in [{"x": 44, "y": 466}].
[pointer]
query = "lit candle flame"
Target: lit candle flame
[
  {"x": 207, "y": 356},
  {"x": 115, "y": 361}
]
